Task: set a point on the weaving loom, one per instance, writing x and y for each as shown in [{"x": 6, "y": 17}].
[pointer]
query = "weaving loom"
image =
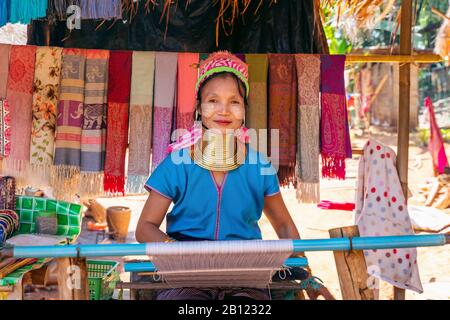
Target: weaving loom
[{"x": 224, "y": 263}]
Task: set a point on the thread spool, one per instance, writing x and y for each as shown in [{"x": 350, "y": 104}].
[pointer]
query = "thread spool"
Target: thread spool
[
  {"x": 118, "y": 219},
  {"x": 46, "y": 222}
]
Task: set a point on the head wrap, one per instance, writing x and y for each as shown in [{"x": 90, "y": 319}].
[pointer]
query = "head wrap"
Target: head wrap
[{"x": 222, "y": 61}]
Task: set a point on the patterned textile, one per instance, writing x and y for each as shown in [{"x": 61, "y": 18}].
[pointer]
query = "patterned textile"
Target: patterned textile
[
  {"x": 308, "y": 128},
  {"x": 93, "y": 133},
  {"x": 5, "y": 129},
  {"x": 436, "y": 145},
  {"x": 222, "y": 61},
  {"x": 141, "y": 103},
  {"x": 20, "y": 99},
  {"x": 7, "y": 193},
  {"x": 120, "y": 63},
  {"x": 283, "y": 114},
  {"x": 66, "y": 171},
  {"x": 165, "y": 89},
  {"x": 45, "y": 98},
  {"x": 212, "y": 294},
  {"x": 381, "y": 210},
  {"x": 335, "y": 138},
  {"x": 186, "y": 98}
]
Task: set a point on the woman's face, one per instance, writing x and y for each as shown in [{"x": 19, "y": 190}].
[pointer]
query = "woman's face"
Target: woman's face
[{"x": 222, "y": 106}]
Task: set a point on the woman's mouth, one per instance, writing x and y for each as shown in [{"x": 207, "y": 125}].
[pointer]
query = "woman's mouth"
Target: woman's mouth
[{"x": 222, "y": 122}]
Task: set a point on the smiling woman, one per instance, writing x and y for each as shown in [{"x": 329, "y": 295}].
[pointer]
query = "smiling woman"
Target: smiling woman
[{"x": 218, "y": 189}]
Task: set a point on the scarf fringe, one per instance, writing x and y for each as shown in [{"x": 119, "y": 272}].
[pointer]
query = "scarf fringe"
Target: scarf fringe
[
  {"x": 135, "y": 184},
  {"x": 114, "y": 186},
  {"x": 65, "y": 180},
  {"x": 91, "y": 184},
  {"x": 286, "y": 175},
  {"x": 21, "y": 170},
  {"x": 308, "y": 192},
  {"x": 333, "y": 167}
]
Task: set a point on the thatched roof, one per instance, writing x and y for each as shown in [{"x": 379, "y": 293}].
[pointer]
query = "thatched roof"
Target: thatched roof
[{"x": 443, "y": 38}]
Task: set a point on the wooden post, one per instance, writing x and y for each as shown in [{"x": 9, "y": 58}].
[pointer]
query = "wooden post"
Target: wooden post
[
  {"x": 351, "y": 268},
  {"x": 404, "y": 108},
  {"x": 72, "y": 279}
]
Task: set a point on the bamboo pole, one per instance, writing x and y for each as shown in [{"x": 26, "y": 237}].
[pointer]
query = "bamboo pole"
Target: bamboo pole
[
  {"x": 404, "y": 108},
  {"x": 401, "y": 58}
]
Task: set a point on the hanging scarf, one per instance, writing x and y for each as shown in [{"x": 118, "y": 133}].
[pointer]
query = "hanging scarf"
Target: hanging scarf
[
  {"x": 335, "y": 137},
  {"x": 23, "y": 11},
  {"x": 47, "y": 76},
  {"x": 69, "y": 124},
  {"x": 283, "y": 114},
  {"x": 20, "y": 98},
  {"x": 165, "y": 89},
  {"x": 5, "y": 129},
  {"x": 186, "y": 99},
  {"x": 308, "y": 128},
  {"x": 58, "y": 8},
  {"x": 7, "y": 193},
  {"x": 256, "y": 117},
  {"x": 436, "y": 145},
  {"x": 381, "y": 210},
  {"x": 93, "y": 134},
  {"x": 4, "y": 12},
  {"x": 5, "y": 50},
  {"x": 141, "y": 104},
  {"x": 119, "y": 86},
  {"x": 101, "y": 9}
]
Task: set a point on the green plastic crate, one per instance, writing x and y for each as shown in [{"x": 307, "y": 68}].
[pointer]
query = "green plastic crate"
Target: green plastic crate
[{"x": 102, "y": 278}]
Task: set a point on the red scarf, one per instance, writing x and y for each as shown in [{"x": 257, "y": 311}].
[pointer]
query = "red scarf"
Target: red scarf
[{"x": 119, "y": 88}]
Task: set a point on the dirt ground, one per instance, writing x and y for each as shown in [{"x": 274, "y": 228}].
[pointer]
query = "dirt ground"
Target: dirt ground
[{"x": 313, "y": 222}]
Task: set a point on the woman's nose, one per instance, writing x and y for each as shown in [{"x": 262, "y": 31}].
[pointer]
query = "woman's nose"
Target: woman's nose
[{"x": 223, "y": 108}]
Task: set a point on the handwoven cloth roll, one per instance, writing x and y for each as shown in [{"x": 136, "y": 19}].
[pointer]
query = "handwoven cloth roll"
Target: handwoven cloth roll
[
  {"x": 308, "y": 128},
  {"x": 93, "y": 134},
  {"x": 120, "y": 63},
  {"x": 141, "y": 105},
  {"x": 187, "y": 76},
  {"x": 165, "y": 89},
  {"x": 19, "y": 94},
  {"x": 283, "y": 114}
]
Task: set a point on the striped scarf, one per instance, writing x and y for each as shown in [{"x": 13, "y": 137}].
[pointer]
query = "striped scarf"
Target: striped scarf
[
  {"x": 120, "y": 63},
  {"x": 308, "y": 128},
  {"x": 283, "y": 114},
  {"x": 335, "y": 137},
  {"x": 141, "y": 104},
  {"x": 69, "y": 124},
  {"x": 20, "y": 99},
  {"x": 165, "y": 88},
  {"x": 47, "y": 76},
  {"x": 93, "y": 133}
]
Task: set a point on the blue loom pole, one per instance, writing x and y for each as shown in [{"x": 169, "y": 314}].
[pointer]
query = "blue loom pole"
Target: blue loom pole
[
  {"x": 150, "y": 267},
  {"x": 335, "y": 244}
]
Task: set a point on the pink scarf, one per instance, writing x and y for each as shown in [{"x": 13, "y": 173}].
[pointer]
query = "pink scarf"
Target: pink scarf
[{"x": 436, "y": 145}]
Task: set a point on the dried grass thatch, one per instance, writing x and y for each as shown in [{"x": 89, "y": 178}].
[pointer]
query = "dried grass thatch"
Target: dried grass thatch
[{"x": 443, "y": 38}]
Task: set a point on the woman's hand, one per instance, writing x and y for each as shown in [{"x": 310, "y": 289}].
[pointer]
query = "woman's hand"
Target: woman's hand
[{"x": 313, "y": 294}]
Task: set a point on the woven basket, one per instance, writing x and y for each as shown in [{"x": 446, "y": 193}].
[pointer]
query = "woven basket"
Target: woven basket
[{"x": 118, "y": 219}]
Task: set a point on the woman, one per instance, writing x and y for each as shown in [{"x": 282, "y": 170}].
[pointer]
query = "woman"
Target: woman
[{"x": 218, "y": 189}]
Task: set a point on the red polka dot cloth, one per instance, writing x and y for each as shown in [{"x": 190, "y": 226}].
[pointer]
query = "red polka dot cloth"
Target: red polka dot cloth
[{"x": 381, "y": 211}]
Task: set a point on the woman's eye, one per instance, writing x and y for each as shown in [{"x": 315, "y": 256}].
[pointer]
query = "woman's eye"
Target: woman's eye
[
  {"x": 235, "y": 102},
  {"x": 212, "y": 101}
]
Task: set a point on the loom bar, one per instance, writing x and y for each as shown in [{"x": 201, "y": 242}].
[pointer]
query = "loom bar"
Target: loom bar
[
  {"x": 148, "y": 266},
  {"x": 357, "y": 243}
]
